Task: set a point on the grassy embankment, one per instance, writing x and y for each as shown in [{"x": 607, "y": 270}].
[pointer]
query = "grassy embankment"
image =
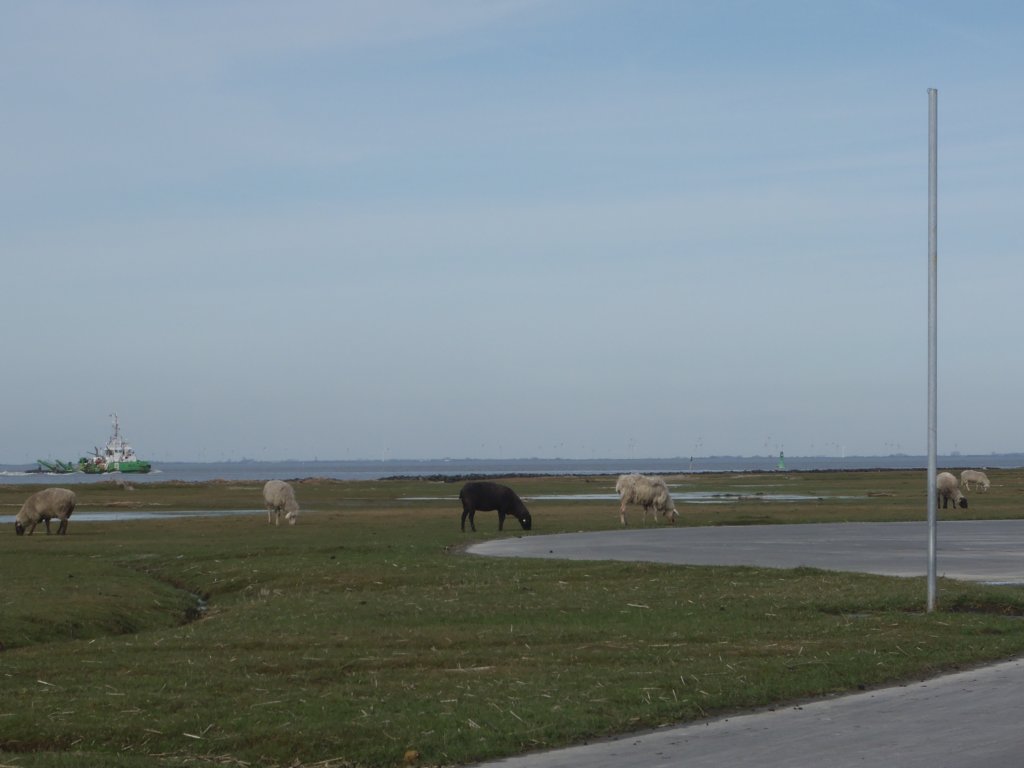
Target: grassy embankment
[{"x": 364, "y": 631}]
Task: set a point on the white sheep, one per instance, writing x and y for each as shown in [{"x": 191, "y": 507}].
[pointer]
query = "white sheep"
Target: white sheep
[
  {"x": 280, "y": 498},
  {"x": 648, "y": 492},
  {"x": 43, "y": 505},
  {"x": 969, "y": 476},
  {"x": 949, "y": 490}
]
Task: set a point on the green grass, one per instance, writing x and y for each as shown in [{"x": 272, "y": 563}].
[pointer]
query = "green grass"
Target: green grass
[{"x": 365, "y": 630}]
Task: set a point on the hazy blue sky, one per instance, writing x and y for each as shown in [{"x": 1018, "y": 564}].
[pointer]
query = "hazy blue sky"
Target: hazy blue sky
[{"x": 507, "y": 227}]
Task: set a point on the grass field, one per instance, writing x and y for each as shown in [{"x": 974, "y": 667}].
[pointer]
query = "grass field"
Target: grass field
[{"x": 365, "y": 631}]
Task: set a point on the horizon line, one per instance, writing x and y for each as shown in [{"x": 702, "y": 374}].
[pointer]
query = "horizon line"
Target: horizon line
[{"x": 448, "y": 459}]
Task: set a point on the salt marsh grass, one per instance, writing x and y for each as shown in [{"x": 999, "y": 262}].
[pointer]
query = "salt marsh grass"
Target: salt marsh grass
[{"x": 365, "y": 631}]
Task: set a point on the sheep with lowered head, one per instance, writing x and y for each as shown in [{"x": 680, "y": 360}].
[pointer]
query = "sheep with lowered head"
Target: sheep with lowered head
[
  {"x": 44, "y": 505},
  {"x": 484, "y": 496},
  {"x": 949, "y": 490},
  {"x": 279, "y": 499},
  {"x": 975, "y": 476},
  {"x": 647, "y": 491}
]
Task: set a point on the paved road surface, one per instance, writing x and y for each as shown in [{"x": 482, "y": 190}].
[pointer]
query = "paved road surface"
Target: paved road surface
[
  {"x": 962, "y": 720},
  {"x": 966, "y": 720},
  {"x": 985, "y": 550}
]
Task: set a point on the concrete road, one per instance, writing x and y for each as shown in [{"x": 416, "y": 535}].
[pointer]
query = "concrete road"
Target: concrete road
[
  {"x": 966, "y": 720},
  {"x": 986, "y": 550},
  {"x": 956, "y": 721}
]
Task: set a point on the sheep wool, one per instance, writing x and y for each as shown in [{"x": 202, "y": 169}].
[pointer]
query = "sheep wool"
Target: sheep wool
[
  {"x": 44, "y": 505},
  {"x": 948, "y": 488},
  {"x": 980, "y": 479},
  {"x": 279, "y": 499},
  {"x": 647, "y": 491}
]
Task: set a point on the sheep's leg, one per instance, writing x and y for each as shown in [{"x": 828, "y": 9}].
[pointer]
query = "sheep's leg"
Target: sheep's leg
[
  {"x": 30, "y": 530},
  {"x": 63, "y": 527},
  {"x": 47, "y": 521},
  {"x": 622, "y": 513}
]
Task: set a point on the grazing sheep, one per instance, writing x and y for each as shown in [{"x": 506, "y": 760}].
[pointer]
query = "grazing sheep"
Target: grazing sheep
[
  {"x": 649, "y": 492},
  {"x": 279, "y": 498},
  {"x": 43, "y": 505},
  {"x": 486, "y": 496},
  {"x": 949, "y": 490},
  {"x": 969, "y": 476}
]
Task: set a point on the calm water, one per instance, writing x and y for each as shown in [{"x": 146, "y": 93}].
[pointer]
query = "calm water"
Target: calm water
[
  {"x": 375, "y": 470},
  {"x": 135, "y": 514}
]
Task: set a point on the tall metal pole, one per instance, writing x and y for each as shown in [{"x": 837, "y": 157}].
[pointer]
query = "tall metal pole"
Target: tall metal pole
[{"x": 933, "y": 270}]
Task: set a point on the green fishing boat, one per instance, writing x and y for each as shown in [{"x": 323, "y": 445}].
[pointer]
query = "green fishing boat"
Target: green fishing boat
[{"x": 117, "y": 456}]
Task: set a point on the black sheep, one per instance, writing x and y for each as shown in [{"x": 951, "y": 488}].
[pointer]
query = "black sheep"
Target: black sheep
[{"x": 486, "y": 496}]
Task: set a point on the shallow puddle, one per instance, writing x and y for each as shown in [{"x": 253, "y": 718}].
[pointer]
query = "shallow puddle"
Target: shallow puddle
[
  {"x": 689, "y": 497},
  {"x": 108, "y": 517}
]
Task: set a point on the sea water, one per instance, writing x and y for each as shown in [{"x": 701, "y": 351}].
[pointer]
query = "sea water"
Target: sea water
[{"x": 254, "y": 471}]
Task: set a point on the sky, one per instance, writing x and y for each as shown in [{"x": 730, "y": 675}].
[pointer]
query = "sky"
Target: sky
[{"x": 512, "y": 228}]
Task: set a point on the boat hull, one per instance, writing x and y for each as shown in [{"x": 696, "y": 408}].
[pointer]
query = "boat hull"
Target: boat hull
[{"x": 138, "y": 467}]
